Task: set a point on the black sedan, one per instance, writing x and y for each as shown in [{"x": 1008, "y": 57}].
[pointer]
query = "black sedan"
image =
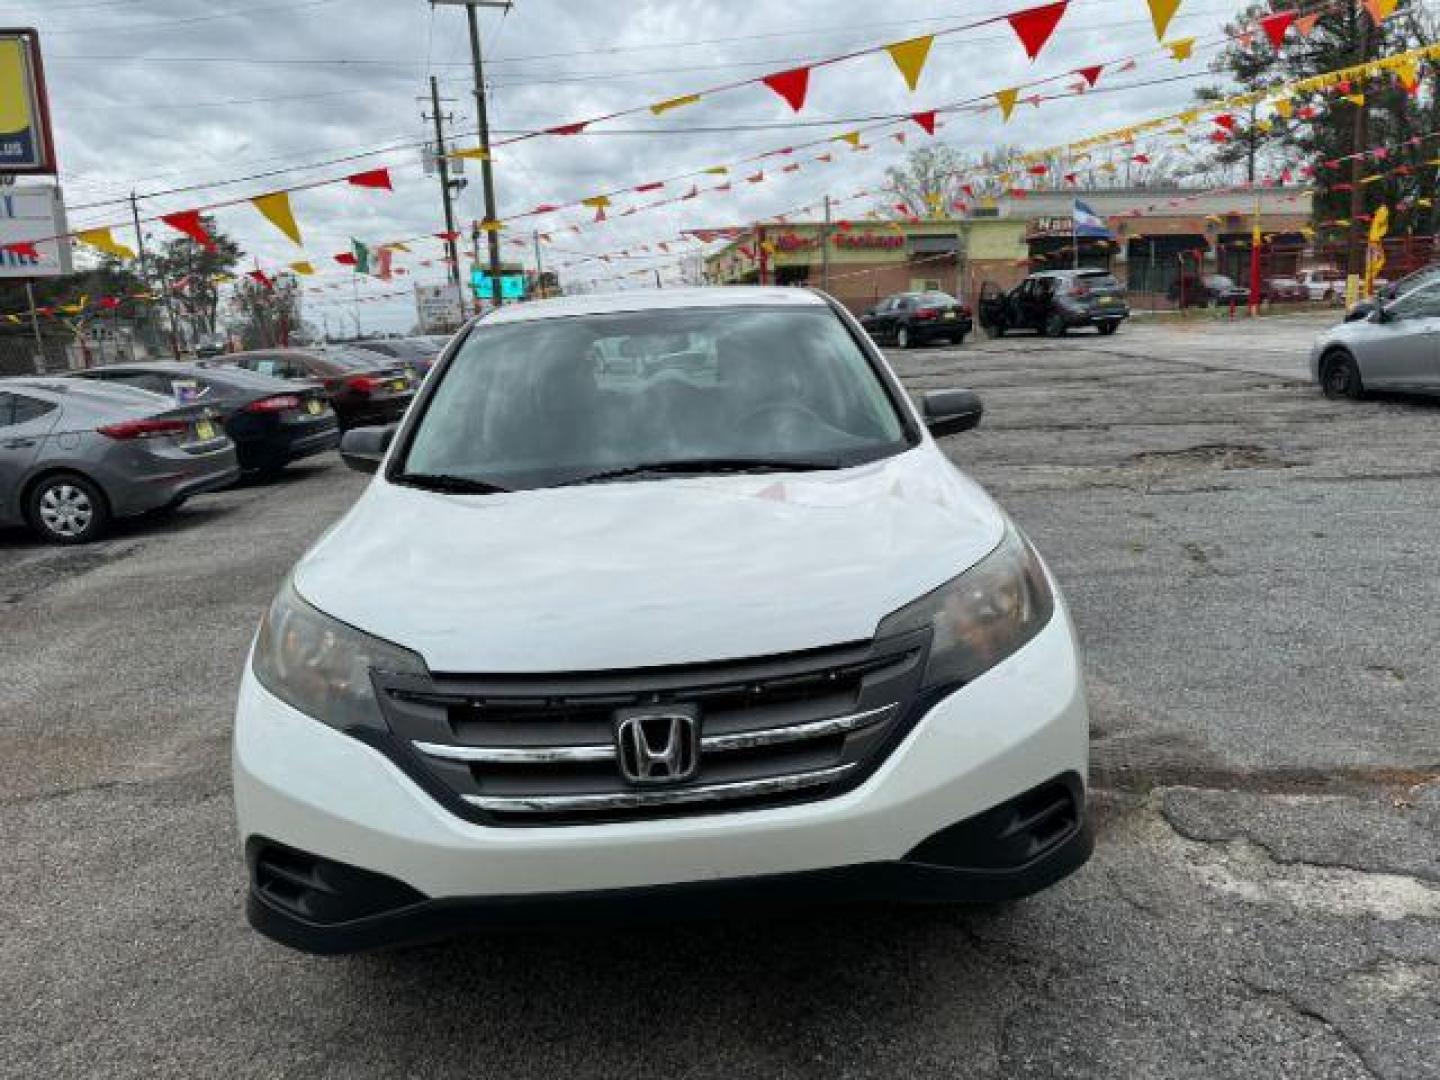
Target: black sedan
[
  {"x": 364, "y": 387},
  {"x": 1208, "y": 290},
  {"x": 916, "y": 318},
  {"x": 272, "y": 422}
]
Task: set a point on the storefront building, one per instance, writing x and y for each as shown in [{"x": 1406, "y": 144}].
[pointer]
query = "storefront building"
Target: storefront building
[{"x": 1175, "y": 229}]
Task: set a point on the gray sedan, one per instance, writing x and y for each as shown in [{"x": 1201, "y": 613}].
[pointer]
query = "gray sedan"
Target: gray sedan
[
  {"x": 75, "y": 455},
  {"x": 1395, "y": 347}
]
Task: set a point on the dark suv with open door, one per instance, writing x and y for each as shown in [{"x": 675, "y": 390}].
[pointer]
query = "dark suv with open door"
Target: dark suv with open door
[{"x": 1054, "y": 301}]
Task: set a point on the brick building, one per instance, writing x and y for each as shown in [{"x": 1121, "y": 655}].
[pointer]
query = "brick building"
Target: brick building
[{"x": 873, "y": 259}]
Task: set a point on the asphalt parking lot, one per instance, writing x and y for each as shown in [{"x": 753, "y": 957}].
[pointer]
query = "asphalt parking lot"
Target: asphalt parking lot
[{"x": 1254, "y": 573}]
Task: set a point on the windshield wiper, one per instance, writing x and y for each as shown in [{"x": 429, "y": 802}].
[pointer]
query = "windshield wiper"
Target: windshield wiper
[
  {"x": 699, "y": 466},
  {"x": 451, "y": 485}
]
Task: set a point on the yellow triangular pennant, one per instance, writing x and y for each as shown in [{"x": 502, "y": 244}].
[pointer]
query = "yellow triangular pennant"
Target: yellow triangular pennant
[
  {"x": 276, "y": 208},
  {"x": 302, "y": 267},
  {"x": 910, "y": 56},
  {"x": 104, "y": 241},
  {"x": 1161, "y": 12},
  {"x": 1182, "y": 48},
  {"x": 474, "y": 153},
  {"x": 852, "y": 137},
  {"x": 1006, "y": 98},
  {"x": 674, "y": 103}
]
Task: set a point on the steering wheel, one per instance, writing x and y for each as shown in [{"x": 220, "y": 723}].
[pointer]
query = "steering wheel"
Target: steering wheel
[{"x": 791, "y": 407}]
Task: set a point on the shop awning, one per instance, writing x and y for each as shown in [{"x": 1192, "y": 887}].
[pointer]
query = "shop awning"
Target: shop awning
[{"x": 934, "y": 245}]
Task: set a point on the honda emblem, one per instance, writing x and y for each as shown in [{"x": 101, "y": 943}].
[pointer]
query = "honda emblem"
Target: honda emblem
[{"x": 660, "y": 746}]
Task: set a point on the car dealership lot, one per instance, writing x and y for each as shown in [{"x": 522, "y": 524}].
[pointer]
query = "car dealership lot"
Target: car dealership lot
[{"x": 1252, "y": 570}]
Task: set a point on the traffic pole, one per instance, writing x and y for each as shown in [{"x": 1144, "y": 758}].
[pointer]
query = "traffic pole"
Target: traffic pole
[{"x": 451, "y": 247}]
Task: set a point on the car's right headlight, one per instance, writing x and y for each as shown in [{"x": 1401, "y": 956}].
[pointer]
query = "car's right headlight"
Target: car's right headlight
[
  {"x": 982, "y": 616},
  {"x": 321, "y": 666}
]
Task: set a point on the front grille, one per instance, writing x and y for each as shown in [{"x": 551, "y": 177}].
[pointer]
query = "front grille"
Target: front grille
[{"x": 541, "y": 749}]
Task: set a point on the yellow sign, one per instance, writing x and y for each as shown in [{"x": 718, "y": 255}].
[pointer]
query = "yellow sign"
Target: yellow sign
[{"x": 25, "y": 144}]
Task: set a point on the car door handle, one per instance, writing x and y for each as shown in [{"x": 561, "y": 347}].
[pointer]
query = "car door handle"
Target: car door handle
[{"x": 17, "y": 444}]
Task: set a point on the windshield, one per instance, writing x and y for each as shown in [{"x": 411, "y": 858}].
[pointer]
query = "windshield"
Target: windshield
[
  {"x": 1219, "y": 281},
  {"x": 554, "y": 401}
]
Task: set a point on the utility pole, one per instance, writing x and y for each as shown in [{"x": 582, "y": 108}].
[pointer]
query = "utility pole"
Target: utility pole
[
  {"x": 1360, "y": 136},
  {"x": 658, "y": 283},
  {"x": 145, "y": 274},
  {"x": 35, "y": 327},
  {"x": 487, "y": 173},
  {"x": 444, "y": 167},
  {"x": 825, "y": 249},
  {"x": 539, "y": 265}
]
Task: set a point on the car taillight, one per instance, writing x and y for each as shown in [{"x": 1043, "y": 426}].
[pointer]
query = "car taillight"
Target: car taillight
[
  {"x": 144, "y": 429},
  {"x": 364, "y": 384},
  {"x": 1079, "y": 290},
  {"x": 927, "y": 313},
  {"x": 280, "y": 403}
]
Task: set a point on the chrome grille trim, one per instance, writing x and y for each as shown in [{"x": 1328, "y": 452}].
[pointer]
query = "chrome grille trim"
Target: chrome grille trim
[
  {"x": 630, "y": 800},
  {"x": 516, "y": 755},
  {"x": 815, "y": 729},
  {"x": 742, "y": 740}
]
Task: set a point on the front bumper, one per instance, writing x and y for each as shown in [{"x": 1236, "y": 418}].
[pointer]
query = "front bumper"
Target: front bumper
[{"x": 335, "y": 807}]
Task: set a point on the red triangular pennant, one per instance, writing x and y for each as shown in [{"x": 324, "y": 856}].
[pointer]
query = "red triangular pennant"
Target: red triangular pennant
[
  {"x": 791, "y": 85},
  {"x": 189, "y": 223},
  {"x": 926, "y": 120},
  {"x": 1090, "y": 74},
  {"x": 568, "y": 129},
  {"x": 1276, "y": 25},
  {"x": 373, "y": 178},
  {"x": 1226, "y": 121},
  {"x": 1034, "y": 27},
  {"x": 346, "y": 258}
]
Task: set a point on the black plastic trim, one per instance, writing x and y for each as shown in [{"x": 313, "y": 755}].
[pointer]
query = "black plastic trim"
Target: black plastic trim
[{"x": 906, "y": 881}]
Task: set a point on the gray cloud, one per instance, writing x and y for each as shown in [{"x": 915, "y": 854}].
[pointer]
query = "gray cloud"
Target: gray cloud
[{"x": 132, "y": 111}]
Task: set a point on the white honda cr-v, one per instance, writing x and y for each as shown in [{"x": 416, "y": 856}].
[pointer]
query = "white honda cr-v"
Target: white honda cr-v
[{"x": 657, "y": 599}]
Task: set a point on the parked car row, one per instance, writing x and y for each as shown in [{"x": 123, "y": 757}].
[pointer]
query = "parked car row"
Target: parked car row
[{"x": 80, "y": 450}]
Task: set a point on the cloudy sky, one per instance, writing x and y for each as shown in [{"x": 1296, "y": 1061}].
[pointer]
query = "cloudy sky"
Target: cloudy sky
[{"x": 154, "y": 95}]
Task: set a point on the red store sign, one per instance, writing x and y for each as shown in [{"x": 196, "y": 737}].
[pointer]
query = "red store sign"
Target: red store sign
[{"x": 869, "y": 241}]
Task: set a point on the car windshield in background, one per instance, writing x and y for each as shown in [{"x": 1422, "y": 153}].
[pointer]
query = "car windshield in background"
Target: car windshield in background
[
  {"x": 937, "y": 299},
  {"x": 1219, "y": 281},
  {"x": 1097, "y": 279},
  {"x": 554, "y": 401}
]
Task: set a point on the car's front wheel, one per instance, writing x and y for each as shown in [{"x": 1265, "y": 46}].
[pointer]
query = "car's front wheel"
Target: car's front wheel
[
  {"x": 67, "y": 509},
  {"x": 1054, "y": 326},
  {"x": 1340, "y": 377},
  {"x": 1108, "y": 327},
  {"x": 902, "y": 337}
]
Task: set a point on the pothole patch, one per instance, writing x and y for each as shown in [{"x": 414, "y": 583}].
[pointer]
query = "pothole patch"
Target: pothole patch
[{"x": 1210, "y": 456}]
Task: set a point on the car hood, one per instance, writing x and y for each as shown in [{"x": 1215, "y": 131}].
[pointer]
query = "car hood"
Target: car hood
[{"x": 649, "y": 573}]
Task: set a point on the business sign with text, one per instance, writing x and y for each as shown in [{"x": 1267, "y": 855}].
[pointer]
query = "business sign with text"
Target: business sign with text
[{"x": 26, "y": 144}]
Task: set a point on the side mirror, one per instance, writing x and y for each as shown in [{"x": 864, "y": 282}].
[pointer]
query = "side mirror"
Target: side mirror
[
  {"x": 363, "y": 449},
  {"x": 949, "y": 412}
]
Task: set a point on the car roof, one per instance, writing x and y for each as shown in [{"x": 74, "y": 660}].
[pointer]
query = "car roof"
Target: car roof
[{"x": 715, "y": 296}]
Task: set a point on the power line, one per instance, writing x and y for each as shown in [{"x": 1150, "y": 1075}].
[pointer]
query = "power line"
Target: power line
[{"x": 186, "y": 20}]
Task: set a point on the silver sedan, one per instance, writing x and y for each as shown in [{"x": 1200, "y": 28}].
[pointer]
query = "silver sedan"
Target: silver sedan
[
  {"x": 74, "y": 455},
  {"x": 1395, "y": 347}
]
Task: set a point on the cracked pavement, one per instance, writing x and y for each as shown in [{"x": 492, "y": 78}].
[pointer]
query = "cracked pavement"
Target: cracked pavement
[{"x": 1253, "y": 571}]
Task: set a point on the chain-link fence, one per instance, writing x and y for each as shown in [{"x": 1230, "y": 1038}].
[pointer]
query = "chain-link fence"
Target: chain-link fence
[{"x": 26, "y": 356}]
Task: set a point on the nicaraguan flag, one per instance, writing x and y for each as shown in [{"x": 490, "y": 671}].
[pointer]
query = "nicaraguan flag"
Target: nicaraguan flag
[{"x": 1089, "y": 223}]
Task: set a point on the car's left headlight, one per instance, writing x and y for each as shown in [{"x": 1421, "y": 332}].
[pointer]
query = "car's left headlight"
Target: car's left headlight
[
  {"x": 322, "y": 666},
  {"x": 982, "y": 616}
]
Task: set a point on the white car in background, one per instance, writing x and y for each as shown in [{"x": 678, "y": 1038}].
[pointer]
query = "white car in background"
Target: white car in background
[
  {"x": 669, "y": 636},
  {"x": 1322, "y": 283}
]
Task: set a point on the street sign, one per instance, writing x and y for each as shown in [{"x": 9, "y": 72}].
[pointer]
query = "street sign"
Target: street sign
[
  {"x": 438, "y": 309},
  {"x": 512, "y": 286},
  {"x": 30, "y": 214},
  {"x": 26, "y": 143}
]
